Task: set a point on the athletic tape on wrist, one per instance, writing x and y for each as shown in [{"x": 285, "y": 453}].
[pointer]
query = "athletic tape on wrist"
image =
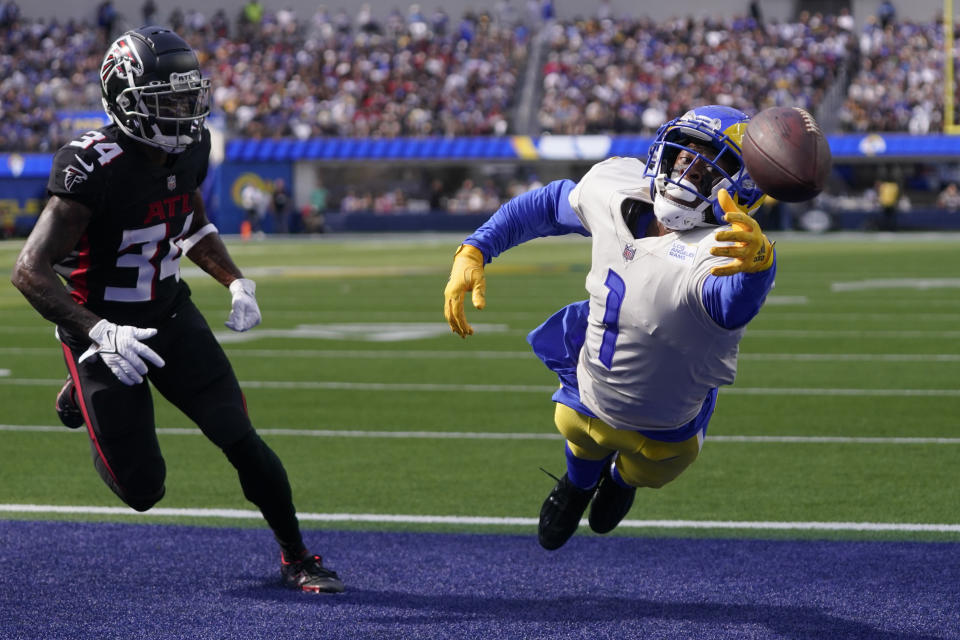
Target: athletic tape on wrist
[{"x": 200, "y": 234}]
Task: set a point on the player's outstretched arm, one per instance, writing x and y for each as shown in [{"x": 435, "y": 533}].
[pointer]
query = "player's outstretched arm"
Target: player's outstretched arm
[
  {"x": 465, "y": 275},
  {"x": 534, "y": 214},
  {"x": 733, "y": 293},
  {"x": 541, "y": 212},
  {"x": 751, "y": 251}
]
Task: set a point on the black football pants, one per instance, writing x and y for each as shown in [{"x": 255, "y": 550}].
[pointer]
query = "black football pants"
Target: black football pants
[{"x": 198, "y": 379}]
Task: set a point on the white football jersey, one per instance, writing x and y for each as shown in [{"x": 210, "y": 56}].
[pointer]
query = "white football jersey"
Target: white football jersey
[{"x": 652, "y": 352}]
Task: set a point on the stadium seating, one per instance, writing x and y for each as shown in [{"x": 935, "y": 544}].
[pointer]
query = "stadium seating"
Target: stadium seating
[{"x": 418, "y": 75}]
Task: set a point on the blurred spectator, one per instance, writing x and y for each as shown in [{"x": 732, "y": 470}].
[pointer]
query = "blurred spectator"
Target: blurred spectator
[
  {"x": 354, "y": 203},
  {"x": 845, "y": 20},
  {"x": 149, "y": 11},
  {"x": 437, "y": 197},
  {"x": 253, "y": 12},
  {"x": 459, "y": 202},
  {"x": 250, "y": 20},
  {"x": 9, "y": 13},
  {"x": 888, "y": 196},
  {"x": 886, "y": 13},
  {"x": 472, "y": 198},
  {"x": 390, "y": 202},
  {"x": 949, "y": 198},
  {"x": 439, "y": 21},
  {"x": 106, "y": 18},
  {"x": 8, "y": 220},
  {"x": 254, "y": 201},
  {"x": 280, "y": 206},
  {"x": 365, "y": 21},
  {"x": 314, "y": 214},
  {"x": 220, "y": 25},
  {"x": 319, "y": 197},
  {"x": 176, "y": 20},
  {"x": 547, "y": 11}
]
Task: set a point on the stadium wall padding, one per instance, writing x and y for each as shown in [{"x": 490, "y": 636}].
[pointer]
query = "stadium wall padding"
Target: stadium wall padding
[{"x": 23, "y": 176}]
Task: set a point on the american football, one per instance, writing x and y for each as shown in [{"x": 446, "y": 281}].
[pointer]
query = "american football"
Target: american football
[{"x": 787, "y": 154}]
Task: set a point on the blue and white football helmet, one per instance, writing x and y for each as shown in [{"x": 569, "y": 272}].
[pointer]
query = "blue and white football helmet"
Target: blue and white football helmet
[{"x": 677, "y": 202}]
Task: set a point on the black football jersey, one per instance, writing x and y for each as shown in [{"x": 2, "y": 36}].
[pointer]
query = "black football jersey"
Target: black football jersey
[{"x": 126, "y": 267}]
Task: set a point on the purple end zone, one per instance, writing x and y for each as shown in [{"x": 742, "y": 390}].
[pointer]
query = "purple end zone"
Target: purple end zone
[{"x": 87, "y": 580}]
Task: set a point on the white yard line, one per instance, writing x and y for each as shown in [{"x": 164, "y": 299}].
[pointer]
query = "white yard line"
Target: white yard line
[
  {"x": 851, "y": 333},
  {"x": 467, "y": 354},
  {"x": 921, "y": 284},
  {"x": 376, "y": 518},
  {"x": 508, "y": 435},
  {"x": 525, "y": 388}
]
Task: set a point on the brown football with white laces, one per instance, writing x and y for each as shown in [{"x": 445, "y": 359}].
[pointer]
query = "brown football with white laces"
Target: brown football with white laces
[{"x": 786, "y": 154}]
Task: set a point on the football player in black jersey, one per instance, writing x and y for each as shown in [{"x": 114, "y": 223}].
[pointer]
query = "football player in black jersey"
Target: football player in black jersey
[{"x": 124, "y": 207}]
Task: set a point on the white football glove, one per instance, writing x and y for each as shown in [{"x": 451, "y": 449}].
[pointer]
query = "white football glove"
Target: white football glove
[
  {"x": 244, "y": 312},
  {"x": 120, "y": 349}
]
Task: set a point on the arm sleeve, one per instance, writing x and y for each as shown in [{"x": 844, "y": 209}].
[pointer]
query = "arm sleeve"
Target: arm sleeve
[
  {"x": 733, "y": 301},
  {"x": 538, "y": 213}
]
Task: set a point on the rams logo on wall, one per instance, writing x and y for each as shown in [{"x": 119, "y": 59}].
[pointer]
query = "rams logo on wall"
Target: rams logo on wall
[{"x": 243, "y": 180}]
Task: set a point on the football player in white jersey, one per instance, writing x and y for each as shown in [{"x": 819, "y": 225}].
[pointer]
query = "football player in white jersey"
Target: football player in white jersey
[{"x": 678, "y": 269}]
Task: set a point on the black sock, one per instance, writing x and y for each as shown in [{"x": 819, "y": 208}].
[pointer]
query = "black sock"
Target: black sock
[{"x": 294, "y": 553}]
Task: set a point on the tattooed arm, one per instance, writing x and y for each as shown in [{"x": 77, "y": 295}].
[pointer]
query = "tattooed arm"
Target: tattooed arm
[
  {"x": 205, "y": 248},
  {"x": 59, "y": 227}
]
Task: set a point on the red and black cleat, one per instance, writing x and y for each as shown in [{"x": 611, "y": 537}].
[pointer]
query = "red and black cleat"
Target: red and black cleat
[{"x": 309, "y": 574}]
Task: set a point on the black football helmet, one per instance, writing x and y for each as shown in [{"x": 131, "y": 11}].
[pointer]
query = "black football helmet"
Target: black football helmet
[{"x": 152, "y": 88}]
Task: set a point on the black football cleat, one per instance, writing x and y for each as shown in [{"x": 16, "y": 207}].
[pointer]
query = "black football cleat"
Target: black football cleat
[
  {"x": 67, "y": 407},
  {"x": 561, "y": 512},
  {"x": 611, "y": 504},
  {"x": 309, "y": 574}
]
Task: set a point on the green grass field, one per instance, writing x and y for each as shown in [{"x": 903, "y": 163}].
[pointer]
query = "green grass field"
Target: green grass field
[{"x": 859, "y": 343}]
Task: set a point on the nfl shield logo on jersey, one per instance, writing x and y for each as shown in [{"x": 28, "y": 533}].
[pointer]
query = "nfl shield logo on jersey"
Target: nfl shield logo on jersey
[
  {"x": 171, "y": 183},
  {"x": 629, "y": 252}
]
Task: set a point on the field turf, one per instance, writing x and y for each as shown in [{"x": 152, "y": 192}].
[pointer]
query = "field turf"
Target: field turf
[{"x": 846, "y": 407}]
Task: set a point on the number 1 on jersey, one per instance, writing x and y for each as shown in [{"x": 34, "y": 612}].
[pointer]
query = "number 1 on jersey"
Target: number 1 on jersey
[{"x": 611, "y": 316}]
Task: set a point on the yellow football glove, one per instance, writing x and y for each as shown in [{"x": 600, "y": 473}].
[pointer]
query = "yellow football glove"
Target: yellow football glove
[
  {"x": 752, "y": 251},
  {"x": 466, "y": 275}
]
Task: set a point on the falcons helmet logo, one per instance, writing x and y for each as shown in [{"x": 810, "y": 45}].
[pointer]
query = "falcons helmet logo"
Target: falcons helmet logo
[
  {"x": 73, "y": 178},
  {"x": 121, "y": 60}
]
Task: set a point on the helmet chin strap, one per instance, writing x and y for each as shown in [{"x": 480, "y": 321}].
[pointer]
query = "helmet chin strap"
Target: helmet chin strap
[
  {"x": 673, "y": 215},
  {"x": 170, "y": 144}
]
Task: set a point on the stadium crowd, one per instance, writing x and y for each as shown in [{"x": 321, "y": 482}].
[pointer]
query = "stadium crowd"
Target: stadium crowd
[
  {"x": 627, "y": 75},
  {"x": 277, "y": 76},
  {"x": 898, "y": 85},
  {"x": 418, "y": 73},
  {"x": 411, "y": 75}
]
